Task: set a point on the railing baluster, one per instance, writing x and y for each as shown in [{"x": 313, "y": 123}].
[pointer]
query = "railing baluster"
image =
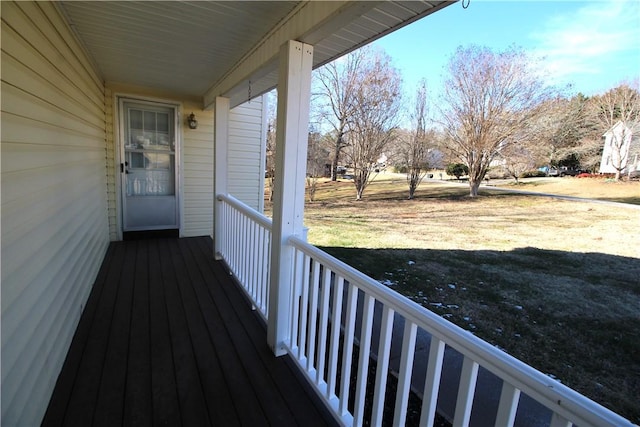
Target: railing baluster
[
  {"x": 251, "y": 249},
  {"x": 239, "y": 265},
  {"x": 432, "y": 382},
  {"x": 304, "y": 317},
  {"x": 466, "y": 391},
  {"x": 313, "y": 314},
  {"x": 324, "y": 323},
  {"x": 382, "y": 368},
  {"x": 296, "y": 297},
  {"x": 260, "y": 265},
  {"x": 226, "y": 217},
  {"x": 363, "y": 359},
  {"x": 255, "y": 262},
  {"x": 334, "y": 345},
  {"x": 509, "y": 397},
  {"x": 404, "y": 374},
  {"x": 231, "y": 241},
  {"x": 264, "y": 270},
  {"x": 243, "y": 249},
  {"x": 347, "y": 350},
  {"x": 267, "y": 278},
  {"x": 234, "y": 239},
  {"x": 238, "y": 255},
  {"x": 221, "y": 240},
  {"x": 559, "y": 421}
]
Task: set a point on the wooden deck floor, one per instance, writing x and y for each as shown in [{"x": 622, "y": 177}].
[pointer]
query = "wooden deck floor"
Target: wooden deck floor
[{"x": 167, "y": 339}]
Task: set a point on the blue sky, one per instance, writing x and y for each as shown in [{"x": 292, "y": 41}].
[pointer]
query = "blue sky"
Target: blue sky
[{"x": 593, "y": 45}]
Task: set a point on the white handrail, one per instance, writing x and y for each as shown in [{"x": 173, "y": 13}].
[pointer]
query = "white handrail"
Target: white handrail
[
  {"x": 557, "y": 397},
  {"x": 246, "y": 210}
]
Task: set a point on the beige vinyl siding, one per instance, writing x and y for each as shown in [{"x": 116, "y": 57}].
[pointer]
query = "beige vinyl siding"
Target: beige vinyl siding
[
  {"x": 247, "y": 138},
  {"x": 245, "y": 163},
  {"x": 54, "y": 205},
  {"x": 197, "y": 164}
]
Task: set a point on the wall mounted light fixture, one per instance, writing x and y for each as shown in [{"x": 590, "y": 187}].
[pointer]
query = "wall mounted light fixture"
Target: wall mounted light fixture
[{"x": 191, "y": 120}]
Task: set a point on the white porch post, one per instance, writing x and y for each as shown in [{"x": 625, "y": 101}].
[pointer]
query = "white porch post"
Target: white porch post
[
  {"x": 220, "y": 145},
  {"x": 294, "y": 88}
]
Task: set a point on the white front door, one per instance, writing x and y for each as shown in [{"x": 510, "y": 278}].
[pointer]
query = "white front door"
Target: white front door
[{"x": 148, "y": 168}]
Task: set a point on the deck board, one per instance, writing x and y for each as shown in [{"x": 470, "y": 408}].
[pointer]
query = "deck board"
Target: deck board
[
  {"x": 167, "y": 338},
  {"x": 164, "y": 391},
  {"x": 137, "y": 399},
  {"x": 110, "y": 401},
  {"x": 222, "y": 320}
]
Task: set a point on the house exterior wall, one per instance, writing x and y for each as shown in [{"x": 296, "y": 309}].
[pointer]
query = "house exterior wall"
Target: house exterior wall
[
  {"x": 54, "y": 204},
  {"x": 247, "y": 151},
  {"x": 629, "y": 149},
  {"x": 198, "y": 174}
]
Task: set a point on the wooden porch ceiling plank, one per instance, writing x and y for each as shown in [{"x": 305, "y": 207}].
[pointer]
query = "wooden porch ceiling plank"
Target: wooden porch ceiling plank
[
  {"x": 64, "y": 386},
  {"x": 218, "y": 342},
  {"x": 110, "y": 405},
  {"x": 137, "y": 400},
  {"x": 309, "y": 23},
  {"x": 164, "y": 392},
  {"x": 190, "y": 394},
  {"x": 219, "y": 404},
  {"x": 276, "y": 411},
  {"x": 278, "y": 368}
]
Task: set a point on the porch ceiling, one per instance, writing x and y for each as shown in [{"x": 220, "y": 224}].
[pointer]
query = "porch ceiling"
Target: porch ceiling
[{"x": 205, "y": 49}]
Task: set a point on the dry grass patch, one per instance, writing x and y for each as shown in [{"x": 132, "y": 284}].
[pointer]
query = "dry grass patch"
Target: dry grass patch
[
  {"x": 553, "y": 282},
  {"x": 443, "y": 217},
  {"x": 594, "y": 188}
]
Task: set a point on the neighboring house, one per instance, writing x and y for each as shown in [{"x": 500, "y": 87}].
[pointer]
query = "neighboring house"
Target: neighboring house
[{"x": 621, "y": 150}]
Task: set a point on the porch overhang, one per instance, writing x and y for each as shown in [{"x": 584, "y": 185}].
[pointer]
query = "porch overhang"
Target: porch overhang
[
  {"x": 209, "y": 49},
  {"x": 334, "y": 28}
]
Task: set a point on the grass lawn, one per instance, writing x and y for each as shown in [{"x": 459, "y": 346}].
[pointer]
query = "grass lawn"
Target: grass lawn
[
  {"x": 555, "y": 283},
  {"x": 595, "y": 188}
]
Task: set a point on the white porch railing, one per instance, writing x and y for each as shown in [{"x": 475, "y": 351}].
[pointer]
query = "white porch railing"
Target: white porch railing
[
  {"x": 380, "y": 324},
  {"x": 245, "y": 246}
]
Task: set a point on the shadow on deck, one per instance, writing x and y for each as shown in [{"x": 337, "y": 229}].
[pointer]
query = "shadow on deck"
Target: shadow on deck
[{"x": 167, "y": 338}]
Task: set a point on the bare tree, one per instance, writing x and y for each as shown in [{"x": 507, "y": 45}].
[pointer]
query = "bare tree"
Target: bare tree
[
  {"x": 489, "y": 98},
  {"x": 316, "y": 160},
  {"x": 621, "y": 104},
  {"x": 418, "y": 147},
  {"x": 589, "y": 152},
  {"x": 337, "y": 82},
  {"x": 564, "y": 130},
  {"x": 377, "y": 104},
  {"x": 518, "y": 159},
  {"x": 270, "y": 166},
  {"x": 551, "y": 129}
]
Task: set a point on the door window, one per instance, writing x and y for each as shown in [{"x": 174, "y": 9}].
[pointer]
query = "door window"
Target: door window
[{"x": 149, "y": 153}]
